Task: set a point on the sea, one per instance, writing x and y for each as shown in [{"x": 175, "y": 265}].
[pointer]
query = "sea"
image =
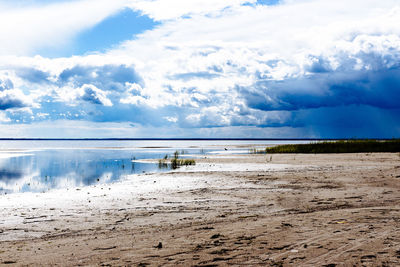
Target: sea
[{"x": 43, "y": 165}]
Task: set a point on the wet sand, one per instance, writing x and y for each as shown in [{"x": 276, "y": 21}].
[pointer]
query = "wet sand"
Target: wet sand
[{"x": 236, "y": 210}]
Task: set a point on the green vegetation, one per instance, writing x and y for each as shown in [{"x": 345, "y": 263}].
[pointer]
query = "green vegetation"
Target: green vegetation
[
  {"x": 176, "y": 162},
  {"x": 348, "y": 146},
  {"x": 162, "y": 164}
]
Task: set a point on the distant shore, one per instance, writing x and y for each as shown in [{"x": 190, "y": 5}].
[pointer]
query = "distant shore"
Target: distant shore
[
  {"x": 280, "y": 209},
  {"x": 187, "y": 139}
]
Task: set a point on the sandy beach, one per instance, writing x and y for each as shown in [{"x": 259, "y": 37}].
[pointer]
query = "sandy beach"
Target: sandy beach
[{"x": 228, "y": 210}]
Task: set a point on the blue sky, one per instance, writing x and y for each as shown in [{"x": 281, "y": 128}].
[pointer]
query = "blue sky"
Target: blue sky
[
  {"x": 109, "y": 33},
  {"x": 200, "y": 68}
]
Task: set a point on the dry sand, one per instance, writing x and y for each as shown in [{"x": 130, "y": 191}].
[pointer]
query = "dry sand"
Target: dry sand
[{"x": 242, "y": 210}]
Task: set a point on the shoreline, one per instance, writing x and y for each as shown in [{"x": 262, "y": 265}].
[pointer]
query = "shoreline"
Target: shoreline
[{"x": 238, "y": 209}]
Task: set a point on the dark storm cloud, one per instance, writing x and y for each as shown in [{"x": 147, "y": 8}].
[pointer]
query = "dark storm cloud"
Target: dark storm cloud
[{"x": 378, "y": 88}]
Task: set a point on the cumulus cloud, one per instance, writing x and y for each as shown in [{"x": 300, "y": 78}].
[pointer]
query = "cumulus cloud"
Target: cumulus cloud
[
  {"x": 107, "y": 77},
  {"x": 94, "y": 95},
  {"x": 10, "y": 99},
  {"x": 340, "y": 57},
  {"x": 226, "y": 64}
]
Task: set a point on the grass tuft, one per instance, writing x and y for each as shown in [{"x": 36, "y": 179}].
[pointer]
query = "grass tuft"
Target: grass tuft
[{"x": 176, "y": 162}]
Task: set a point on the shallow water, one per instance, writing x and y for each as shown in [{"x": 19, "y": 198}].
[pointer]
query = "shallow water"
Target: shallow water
[{"x": 39, "y": 166}]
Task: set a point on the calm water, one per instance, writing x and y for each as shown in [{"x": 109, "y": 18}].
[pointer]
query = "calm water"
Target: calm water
[{"x": 38, "y": 166}]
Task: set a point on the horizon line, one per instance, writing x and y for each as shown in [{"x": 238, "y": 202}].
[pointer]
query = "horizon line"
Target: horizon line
[{"x": 188, "y": 139}]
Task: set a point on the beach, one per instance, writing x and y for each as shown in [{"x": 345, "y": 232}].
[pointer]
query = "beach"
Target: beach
[{"x": 227, "y": 210}]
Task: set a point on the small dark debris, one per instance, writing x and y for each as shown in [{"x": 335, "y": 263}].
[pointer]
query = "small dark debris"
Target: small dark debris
[
  {"x": 215, "y": 236},
  {"x": 205, "y": 228},
  {"x": 9, "y": 262},
  {"x": 221, "y": 259},
  {"x": 329, "y": 265},
  {"x": 159, "y": 246},
  {"x": 367, "y": 258},
  {"x": 280, "y": 248},
  {"x": 206, "y": 265},
  {"x": 108, "y": 248}
]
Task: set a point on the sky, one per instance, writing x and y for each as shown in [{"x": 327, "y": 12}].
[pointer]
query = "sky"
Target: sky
[{"x": 200, "y": 69}]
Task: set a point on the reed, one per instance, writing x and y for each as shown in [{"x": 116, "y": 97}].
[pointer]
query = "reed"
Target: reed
[
  {"x": 345, "y": 146},
  {"x": 176, "y": 162}
]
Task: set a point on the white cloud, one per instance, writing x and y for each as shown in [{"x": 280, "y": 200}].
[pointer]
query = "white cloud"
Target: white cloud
[
  {"x": 24, "y": 30},
  {"x": 3, "y": 117},
  {"x": 171, "y": 119},
  {"x": 225, "y": 64},
  {"x": 243, "y": 45},
  {"x": 94, "y": 95},
  {"x": 28, "y": 28},
  {"x": 14, "y": 98},
  {"x": 174, "y": 9}
]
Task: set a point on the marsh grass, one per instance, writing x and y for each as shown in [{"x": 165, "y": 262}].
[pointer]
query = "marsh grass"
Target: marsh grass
[
  {"x": 176, "y": 162},
  {"x": 347, "y": 146},
  {"x": 162, "y": 164}
]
